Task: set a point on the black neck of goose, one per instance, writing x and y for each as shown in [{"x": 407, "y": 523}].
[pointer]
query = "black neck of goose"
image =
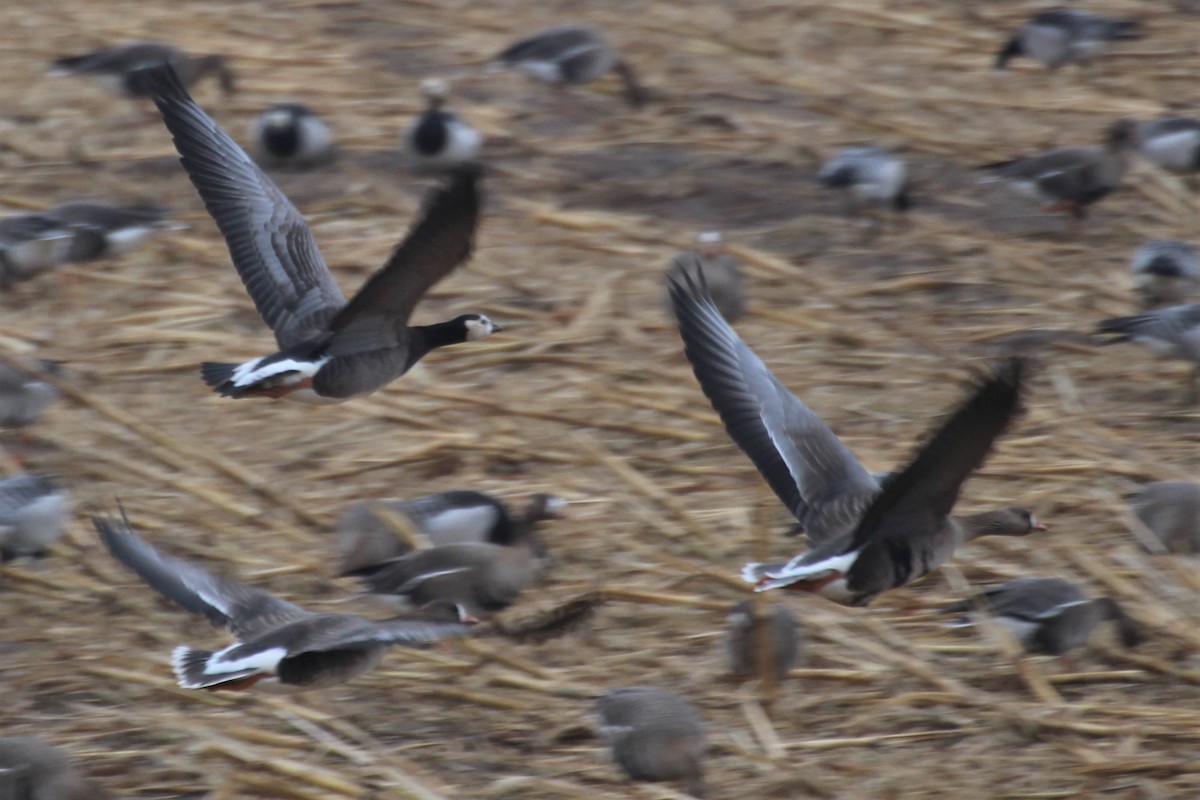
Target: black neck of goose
[
  {"x": 423, "y": 338},
  {"x": 1010, "y": 50},
  {"x": 635, "y": 94}
]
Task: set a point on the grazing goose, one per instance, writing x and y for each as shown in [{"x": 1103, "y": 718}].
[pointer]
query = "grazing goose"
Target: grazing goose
[
  {"x": 1165, "y": 271},
  {"x": 1172, "y": 143},
  {"x": 330, "y": 349},
  {"x": 570, "y": 55},
  {"x": 1173, "y": 331},
  {"x": 439, "y": 137},
  {"x": 365, "y": 538},
  {"x": 275, "y": 639},
  {"x": 870, "y": 175},
  {"x": 103, "y": 229},
  {"x": 291, "y": 135},
  {"x": 743, "y": 640},
  {"x": 1050, "y": 615},
  {"x": 655, "y": 735},
  {"x": 1072, "y": 178},
  {"x": 31, "y": 244},
  {"x": 721, "y": 271},
  {"x": 33, "y": 515},
  {"x": 114, "y": 67},
  {"x": 23, "y": 395},
  {"x": 866, "y": 538},
  {"x": 1171, "y": 510},
  {"x": 1062, "y": 36},
  {"x": 31, "y": 769}
]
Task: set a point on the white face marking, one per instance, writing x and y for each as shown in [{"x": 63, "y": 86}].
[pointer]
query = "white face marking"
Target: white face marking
[
  {"x": 480, "y": 328},
  {"x": 435, "y": 88},
  {"x": 278, "y": 118}
]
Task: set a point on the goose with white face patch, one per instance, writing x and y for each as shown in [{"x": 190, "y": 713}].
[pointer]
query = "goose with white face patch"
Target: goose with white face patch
[
  {"x": 291, "y": 135},
  {"x": 114, "y": 67},
  {"x": 439, "y": 137},
  {"x": 867, "y": 538},
  {"x": 330, "y": 350},
  {"x": 1165, "y": 272},
  {"x": 276, "y": 639}
]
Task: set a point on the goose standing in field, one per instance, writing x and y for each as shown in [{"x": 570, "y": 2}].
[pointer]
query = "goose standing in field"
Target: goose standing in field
[
  {"x": 275, "y": 639},
  {"x": 1071, "y": 179},
  {"x": 1165, "y": 272},
  {"x": 31, "y": 244},
  {"x": 1173, "y": 332},
  {"x": 866, "y": 537},
  {"x": 31, "y": 769},
  {"x": 1172, "y": 143},
  {"x": 23, "y": 394},
  {"x": 721, "y": 271},
  {"x": 438, "y": 137},
  {"x": 654, "y": 735},
  {"x": 291, "y": 135},
  {"x": 869, "y": 175},
  {"x": 571, "y": 55},
  {"x": 785, "y": 640},
  {"x": 33, "y": 515},
  {"x": 1050, "y": 615},
  {"x": 103, "y": 229},
  {"x": 114, "y": 67},
  {"x": 365, "y": 537},
  {"x": 330, "y": 349},
  {"x": 1062, "y": 36},
  {"x": 1171, "y": 510}
]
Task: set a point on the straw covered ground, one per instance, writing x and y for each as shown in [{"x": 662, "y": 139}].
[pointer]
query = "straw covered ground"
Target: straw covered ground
[{"x": 587, "y": 395}]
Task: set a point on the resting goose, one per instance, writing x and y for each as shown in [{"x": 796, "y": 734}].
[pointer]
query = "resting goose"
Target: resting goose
[
  {"x": 1173, "y": 331},
  {"x": 570, "y": 55},
  {"x": 785, "y": 639},
  {"x": 1062, "y": 36},
  {"x": 31, "y": 769},
  {"x": 438, "y": 137},
  {"x": 330, "y": 349},
  {"x": 33, "y": 515},
  {"x": 1050, "y": 615},
  {"x": 870, "y": 175},
  {"x": 365, "y": 538},
  {"x": 1165, "y": 271},
  {"x": 276, "y": 639},
  {"x": 654, "y": 735},
  {"x": 23, "y": 394},
  {"x": 1171, "y": 510},
  {"x": 31, "y": 244},
  {"x": 866, "y": 538},
  {"x": 114, "y": 67},
  {"x": 291, "y": 135},
  {"x": 721, "y": 271},
  {"x": 1072, "y": 178}
]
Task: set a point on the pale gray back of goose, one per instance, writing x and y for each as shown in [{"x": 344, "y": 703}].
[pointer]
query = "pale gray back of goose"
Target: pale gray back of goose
[
  {"x": 870, "y": 174},
  {"x": 1173, "y": 143},
  {"x": 744, "y": 640},
  {"x": 1165, "y": 271},
  {"x": 31, "y": 769},
  {"x": 1171, "y": 510},
  {"x": 33, "y": 514},
  {"x": 1171, "y": 331},
  {"x": 655, "y": 735}
]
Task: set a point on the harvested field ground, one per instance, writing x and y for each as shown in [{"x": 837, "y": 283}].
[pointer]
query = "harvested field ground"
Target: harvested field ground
[{"x": 588, "y": 395}]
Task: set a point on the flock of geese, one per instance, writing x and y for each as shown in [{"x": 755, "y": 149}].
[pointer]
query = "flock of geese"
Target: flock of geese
[{"x": 459, "y": 557}]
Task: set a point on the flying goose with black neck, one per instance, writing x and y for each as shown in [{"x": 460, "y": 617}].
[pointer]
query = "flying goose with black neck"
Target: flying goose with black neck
[
  {"x": 867, "y": 535},
  {"x": 330, "y": 350}
]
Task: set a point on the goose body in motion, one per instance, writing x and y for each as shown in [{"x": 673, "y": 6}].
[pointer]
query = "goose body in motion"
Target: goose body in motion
[
  {"x": 1173, "y": 331},
  {"x": 866, "y": 537},
  {"x": 870, "y": 175},
  {"x": 105, "y": 229},
  {"x": 276, "y": 639},
  {"x": 570, "y": 55},
  {"x": 1172, "y": 143},
  {"x": 330, "y": 349},
  {"x": 33, "y": 515},
  {"x": 115, "y": 67},
  {"x": 1165, "y": 272},
  {"x": 1171, "y": 511},
  {"x": 1061, "y": 36},
  {"x": 439, "y": 137},
  {"x": 291, "y": 135},
  {"x": 1051, "y": 615}
]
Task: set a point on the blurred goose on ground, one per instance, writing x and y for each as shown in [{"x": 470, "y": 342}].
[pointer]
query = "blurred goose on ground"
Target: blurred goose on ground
[
  {"x": 1171, "y": 510},
  {"x": 438, "y": 137},
  {"x": 275, "y": 639},
  {"x": 1050, "y": 615},
  {"x": 330, "y": 349},
  {"x": 1062, "y": 36},
  {"x": 654, "y": 735},
  {"x": 1172, "y": 143},
  {"x": 571, "y": 55},
  {"x": 366, "y": 537},
  {"x": 31, "y": 244},
  {"x": 869, "y": 175},
  {"x": 33, "y": 515},
  {"x": 1165, "y": 272},
  {"x": 721, "y": 271},
  {"x": 31, "y": 769},
  {"x": 1071, "y": 179},
  {"x": 866, "y": 537},
  {"x": 1173, "y": 332},
  {"x": 23, "y": 393},
  {"x": 113, "y": 67},
  {"x": 103, "y": 229},
  {"x": 785, "y": 640},
  {"x": 291, "y": 135}
]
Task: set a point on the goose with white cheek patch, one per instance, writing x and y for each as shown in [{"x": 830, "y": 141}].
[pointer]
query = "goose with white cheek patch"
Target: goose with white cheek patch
[
  {"x": 571, "y": 55},
  {"x": 866, "y": 537},
  {"x": 114, "y": 67},
  {"x": 276, "y": 639},
  {"x": 870, "y": 175},
  {"x": 1060, "y": 36},
  {"x": 1165, "y": 272},
  {"x": 291, "y": 135},
  {"x": 438, "y": 137},
  {"x": 329, "y": 349}
]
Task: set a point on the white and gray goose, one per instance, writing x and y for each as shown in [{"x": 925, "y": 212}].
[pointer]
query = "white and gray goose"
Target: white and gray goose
[
  {"x": 570, "y": 55},
  {"x": 330, "y": 349},
  {"x": 33, "y": 515},
  {"x": 439, "y": 137},
  {"x": 292, "y": 135},
  {"x": 1061, "y": 36},
  {"x": 1165, "y": 272},
  {"x": 866, "y": 538}
]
